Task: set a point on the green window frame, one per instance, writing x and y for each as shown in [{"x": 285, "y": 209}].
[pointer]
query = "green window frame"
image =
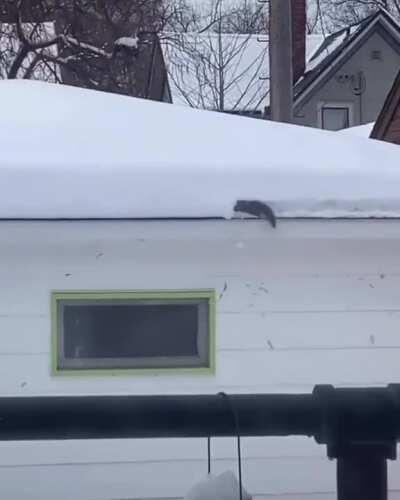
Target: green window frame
[{"x": 202, "y": 363}]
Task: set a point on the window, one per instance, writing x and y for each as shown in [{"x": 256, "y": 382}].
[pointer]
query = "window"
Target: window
[
  {"x": 335, "y": 116},
  {"x": 133, "y": 330}
]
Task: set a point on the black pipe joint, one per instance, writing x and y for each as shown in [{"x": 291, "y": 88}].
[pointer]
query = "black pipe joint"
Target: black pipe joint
[{"x": 358, "y": 421}]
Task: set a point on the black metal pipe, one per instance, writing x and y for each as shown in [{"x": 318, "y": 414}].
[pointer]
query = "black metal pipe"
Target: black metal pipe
[
  {"x": 359, "y": 426},
  {"x": 335, "y": 417},
  {"x": 358, "y": 416},
  {"x": 108, "y": 417},
  {"x": 362, "y": 476}
]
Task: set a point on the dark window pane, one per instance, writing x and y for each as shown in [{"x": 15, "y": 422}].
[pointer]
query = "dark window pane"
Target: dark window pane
[{"x": 130, "y": 331}]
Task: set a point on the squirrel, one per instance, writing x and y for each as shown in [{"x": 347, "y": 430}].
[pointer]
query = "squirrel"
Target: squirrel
[{"x": 256, "y": 208}]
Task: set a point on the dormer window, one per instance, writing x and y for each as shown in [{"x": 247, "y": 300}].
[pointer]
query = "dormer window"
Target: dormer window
[{"x": 335, "y": 116}]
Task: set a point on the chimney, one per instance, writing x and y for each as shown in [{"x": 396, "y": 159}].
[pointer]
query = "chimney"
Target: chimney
[{"x": 299, "y": 27}]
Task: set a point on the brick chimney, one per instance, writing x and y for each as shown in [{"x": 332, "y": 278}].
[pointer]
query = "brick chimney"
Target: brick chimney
[{"x": 299, "y": 26}]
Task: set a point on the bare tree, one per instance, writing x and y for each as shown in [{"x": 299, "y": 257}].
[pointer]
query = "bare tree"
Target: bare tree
[
  {"x": 179, "y": 16},
  {"x": 229, "y": 16},
  {"x": 331, "y": 15},
  {"x": 94, "y": 43},
  {"x": 245, "y": 16},
  {"x": 220, "y": 62}
]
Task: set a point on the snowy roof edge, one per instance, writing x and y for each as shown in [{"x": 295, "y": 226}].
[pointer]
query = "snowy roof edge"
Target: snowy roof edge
[{"x": 70, "y": 153}]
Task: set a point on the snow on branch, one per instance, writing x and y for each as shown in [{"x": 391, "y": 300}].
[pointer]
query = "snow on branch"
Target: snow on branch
[
  {"x": 128, "y": 42},
  {"x": 88, "y": 41}
]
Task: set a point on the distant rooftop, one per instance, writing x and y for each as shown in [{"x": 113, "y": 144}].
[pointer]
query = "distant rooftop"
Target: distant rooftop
[{"x": 193, "y": 62}]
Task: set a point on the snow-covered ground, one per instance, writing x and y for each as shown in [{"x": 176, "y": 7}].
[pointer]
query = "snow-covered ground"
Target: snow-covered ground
[{"x": 73, "y": 153}]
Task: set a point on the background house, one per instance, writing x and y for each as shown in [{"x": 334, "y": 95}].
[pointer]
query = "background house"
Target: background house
[
  {"x": 350, "y": 75},
  {"x": 342, "y": 79},
  {"x": 312, "y": 301}
]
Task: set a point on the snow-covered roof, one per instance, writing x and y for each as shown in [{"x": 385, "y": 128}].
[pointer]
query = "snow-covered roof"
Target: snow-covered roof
[
  {"x": 203, "y": 68},
  {"x": 329, "y": 44},
  {"x": 73, "y": 153},
  {"x": 359, "y": 131}
]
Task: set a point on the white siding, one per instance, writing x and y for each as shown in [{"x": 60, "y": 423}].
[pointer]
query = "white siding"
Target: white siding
[{"x": 309, "y": 302}]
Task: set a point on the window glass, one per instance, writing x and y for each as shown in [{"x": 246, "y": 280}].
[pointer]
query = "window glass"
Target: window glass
[
  {"x": 138, "y": 333},
  {"x": 335, "y": 118}
]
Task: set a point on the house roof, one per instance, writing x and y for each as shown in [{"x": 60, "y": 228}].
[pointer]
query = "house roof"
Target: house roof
[
  {"x": 74, "y": 153},
  {"x": 389, "y": 117},
  {"x": 194, "y": 60},
  {"x": 337, "y": 45}
]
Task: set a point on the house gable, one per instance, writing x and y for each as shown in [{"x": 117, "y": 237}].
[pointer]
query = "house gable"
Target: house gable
[
  {"x": 351, "y": 41},
  {"x": 357, "y": 77},
  {"x": 387, "y": 126}
]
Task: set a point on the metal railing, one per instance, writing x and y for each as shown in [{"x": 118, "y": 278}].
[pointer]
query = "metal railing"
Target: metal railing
[{"x": 360, "y": 427}]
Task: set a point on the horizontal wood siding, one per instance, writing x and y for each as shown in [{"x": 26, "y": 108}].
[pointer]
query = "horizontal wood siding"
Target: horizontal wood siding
[{"x": 309, "y": 302}]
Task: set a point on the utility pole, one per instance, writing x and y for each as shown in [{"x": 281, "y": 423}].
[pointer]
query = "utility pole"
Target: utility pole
[{"x": 280, "y": 59}]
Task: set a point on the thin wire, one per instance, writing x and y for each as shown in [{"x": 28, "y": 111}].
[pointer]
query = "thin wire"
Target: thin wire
[
  {"x": 236, "y": 423},
  {"x": 209, "y": 454}
]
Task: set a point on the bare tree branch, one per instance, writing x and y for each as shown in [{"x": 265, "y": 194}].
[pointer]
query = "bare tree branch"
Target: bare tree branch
[
  {"x": 80, "y": 38},
  {"x": 221, "y": 63},
  {"x": 332, "y": 15}
]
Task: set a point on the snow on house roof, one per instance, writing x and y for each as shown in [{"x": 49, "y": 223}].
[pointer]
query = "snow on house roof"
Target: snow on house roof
[
  {"x": 194, "y": 62},
  {"x": 330, "y": 43},
  {"x": 73, "y": 153},
  {"x": 359, "y": 131}
]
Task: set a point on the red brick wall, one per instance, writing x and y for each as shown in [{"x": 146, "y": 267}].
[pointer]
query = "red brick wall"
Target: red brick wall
[
  {"x": 299, "y": 18},
  {"x": 393, "y": 133}
]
